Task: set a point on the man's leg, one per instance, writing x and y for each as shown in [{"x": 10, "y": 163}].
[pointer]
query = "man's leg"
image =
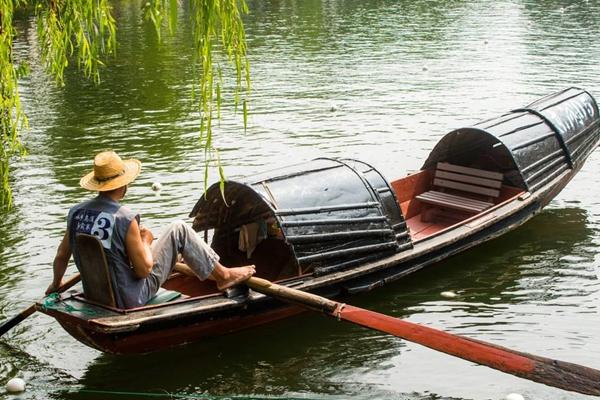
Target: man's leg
[{"x": 179, "y": 238}]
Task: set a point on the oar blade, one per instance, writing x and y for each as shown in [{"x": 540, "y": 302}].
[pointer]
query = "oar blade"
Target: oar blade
[
  {"x": 14, "y": 321},
  {"x": 560, "y": 374},
  {"x": 555, "y": 373},
  {"x": 566, "y": 375}
]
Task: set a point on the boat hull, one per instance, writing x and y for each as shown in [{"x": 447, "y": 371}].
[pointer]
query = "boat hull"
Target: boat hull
[
  {"x": 338, "y": 227},
  {"x": 167, "y": 333}
]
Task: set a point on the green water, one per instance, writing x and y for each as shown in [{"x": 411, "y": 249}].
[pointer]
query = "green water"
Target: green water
[{"x": 381, "y": 81}]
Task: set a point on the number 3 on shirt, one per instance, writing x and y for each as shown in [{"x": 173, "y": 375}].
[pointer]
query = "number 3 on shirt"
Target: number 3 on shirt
[{"x": 103, "y": 228}]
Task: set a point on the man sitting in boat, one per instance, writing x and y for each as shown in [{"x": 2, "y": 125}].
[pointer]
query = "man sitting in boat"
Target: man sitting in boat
[{"x": 139, "y": 265}]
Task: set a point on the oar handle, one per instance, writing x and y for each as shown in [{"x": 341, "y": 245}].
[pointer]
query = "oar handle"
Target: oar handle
[
  {"x": 69, "y": 283},
  {"x": 295, "y": 296},
  {"x": 14, "y": 321},
  {"x": 566, "y": 375}
]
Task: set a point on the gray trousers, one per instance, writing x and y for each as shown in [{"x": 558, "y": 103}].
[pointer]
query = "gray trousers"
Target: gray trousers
[{"x": 179, "y": 238}]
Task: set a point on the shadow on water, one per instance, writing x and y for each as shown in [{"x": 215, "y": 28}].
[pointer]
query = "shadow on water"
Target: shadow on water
[
  {"x": 258, "y": 361},
  {"x": 253, "y": 364},
  {"x": 261, "y": 361},
  {"x": 494, "y": 271}
]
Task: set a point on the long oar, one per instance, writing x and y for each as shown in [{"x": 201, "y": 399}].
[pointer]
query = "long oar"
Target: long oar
[
  {"x": 12, "y": 322},
  {"x": 550, "y": 372}
]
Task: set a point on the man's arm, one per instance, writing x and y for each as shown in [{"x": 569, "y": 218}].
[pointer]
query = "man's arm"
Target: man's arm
[
  {"x": 137, "y": 243},
  {"x": 61, "y": 260}
]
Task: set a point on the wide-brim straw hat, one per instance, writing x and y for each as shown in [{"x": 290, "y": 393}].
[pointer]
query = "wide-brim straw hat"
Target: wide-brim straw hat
[{"x": 110, "y": 172}]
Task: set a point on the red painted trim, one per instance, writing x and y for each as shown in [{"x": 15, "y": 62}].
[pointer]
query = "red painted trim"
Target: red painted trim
[{"x": 481, "y": 353}]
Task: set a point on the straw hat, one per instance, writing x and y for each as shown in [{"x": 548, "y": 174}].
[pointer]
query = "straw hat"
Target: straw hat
[{"x": 110, "y": 172}]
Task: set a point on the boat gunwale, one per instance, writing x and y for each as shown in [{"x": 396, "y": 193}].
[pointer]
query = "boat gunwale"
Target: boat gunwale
[{"x": 103, "y": 324}]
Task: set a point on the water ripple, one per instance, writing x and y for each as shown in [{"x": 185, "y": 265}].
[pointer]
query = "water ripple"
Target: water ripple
[{"x": 379, "y": 81}]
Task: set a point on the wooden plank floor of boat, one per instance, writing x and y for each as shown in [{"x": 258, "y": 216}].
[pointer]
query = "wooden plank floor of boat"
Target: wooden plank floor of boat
[{"x": 420, "y": 229}]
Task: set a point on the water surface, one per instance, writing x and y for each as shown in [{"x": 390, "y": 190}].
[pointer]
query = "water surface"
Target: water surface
[{"x": 381, "y": 81}]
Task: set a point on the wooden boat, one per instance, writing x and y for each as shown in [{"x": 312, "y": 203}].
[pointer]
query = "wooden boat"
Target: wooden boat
[{"x": 337, "y": 227}]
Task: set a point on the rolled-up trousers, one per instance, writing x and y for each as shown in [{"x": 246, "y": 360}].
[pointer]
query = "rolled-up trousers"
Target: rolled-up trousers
[{"x": 180, "y": 238}]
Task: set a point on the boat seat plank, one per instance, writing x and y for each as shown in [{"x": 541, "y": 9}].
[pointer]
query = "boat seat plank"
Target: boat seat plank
[
  {"x": 468, "y": 179},
  {"x": 498, "y": 176},
  {"x": 466, "y": 188},
  {"x": 432, "y": 194},
  {"x": 461, "y": 179},
  {"x": 452, "y": 201}
]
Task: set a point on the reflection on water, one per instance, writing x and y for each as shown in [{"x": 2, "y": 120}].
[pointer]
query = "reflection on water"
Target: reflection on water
[{"x": 380, "y": 81}]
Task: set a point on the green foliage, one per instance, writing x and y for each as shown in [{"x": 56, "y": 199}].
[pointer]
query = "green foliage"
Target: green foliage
[
  {"x": 12, "y": 119},
  {"x": 83, "y": 29},
  {"x": 155, "y": 12},
  {"x": 214, "y": 22},
  {"x": 84, "y": 32}
]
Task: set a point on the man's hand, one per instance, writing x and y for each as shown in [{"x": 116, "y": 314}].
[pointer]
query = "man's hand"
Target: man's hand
[
  {"x": 146, "y": 235},
  {"x": 54, "y": 287},
  {"x": 137, "y": 244}
]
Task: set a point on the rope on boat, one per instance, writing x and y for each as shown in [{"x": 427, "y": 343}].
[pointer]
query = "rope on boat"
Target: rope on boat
[
  {"x": 337, "y": 313},
  {"x": 51, "y": 303}
]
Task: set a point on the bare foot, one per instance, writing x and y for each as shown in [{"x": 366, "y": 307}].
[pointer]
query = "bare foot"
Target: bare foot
[{"x": 233, "y": 276}]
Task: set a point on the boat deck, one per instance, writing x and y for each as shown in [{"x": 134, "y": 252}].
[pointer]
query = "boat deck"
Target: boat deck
[
  {"x": 420, "y": 230},
  {"x": 408, "y": 188}
]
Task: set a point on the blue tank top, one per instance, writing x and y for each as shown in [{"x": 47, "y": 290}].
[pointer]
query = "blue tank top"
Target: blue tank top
[{"x": 109, "y": 221}]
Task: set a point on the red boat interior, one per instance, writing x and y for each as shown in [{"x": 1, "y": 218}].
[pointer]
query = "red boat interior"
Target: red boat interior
[
  {"x": 274, "y": 259},
  {"x": 409, "y": 187}
]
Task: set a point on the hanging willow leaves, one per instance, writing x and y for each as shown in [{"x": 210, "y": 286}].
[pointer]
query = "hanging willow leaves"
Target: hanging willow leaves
[
  {"x": 215, "y": 23},
  {"x": 83, "y": 33},
  {"x": 80, "y": 29},
  {"x": 12, "y": 118},
  {"x": 218, "y": 22}
]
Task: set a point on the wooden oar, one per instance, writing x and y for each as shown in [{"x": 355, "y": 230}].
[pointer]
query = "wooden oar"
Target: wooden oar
[
  {"x": 12, "y": 322},
  {"x": 550, "y": 372}
]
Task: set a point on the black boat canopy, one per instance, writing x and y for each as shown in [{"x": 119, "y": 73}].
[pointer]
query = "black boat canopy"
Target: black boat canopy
[
  {"x": 530, "y": 145},
  {"x": 332, "y": 213}
]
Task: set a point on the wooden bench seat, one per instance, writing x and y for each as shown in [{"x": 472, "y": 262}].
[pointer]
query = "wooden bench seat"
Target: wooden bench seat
[
  {"x": 473, "y": 182},
  {"x": 453, "y": 201}
]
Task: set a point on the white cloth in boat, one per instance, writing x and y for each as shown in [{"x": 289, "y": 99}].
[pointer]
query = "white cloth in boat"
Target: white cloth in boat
[{"x": 251, "y": 235}]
